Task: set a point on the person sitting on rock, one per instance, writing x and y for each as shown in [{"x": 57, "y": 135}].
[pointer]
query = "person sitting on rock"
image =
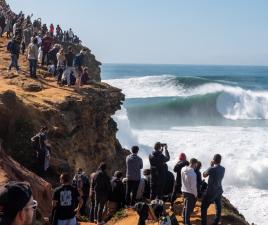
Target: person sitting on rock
[
  {"x": 214, "y": 190},
  {"x": 85, "y": 77},
  {"x": 65, "y": 199},
  {"x": 17, "y": 205},
  {"x": 102, "y": 189}
]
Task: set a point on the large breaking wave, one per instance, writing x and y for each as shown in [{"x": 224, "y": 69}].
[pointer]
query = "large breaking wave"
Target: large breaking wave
[{"x": 169, "y": 98}]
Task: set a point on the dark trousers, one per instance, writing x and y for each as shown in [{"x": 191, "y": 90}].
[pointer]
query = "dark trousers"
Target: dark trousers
[
  {"x": 45, "y": 57},
  {"x": 207, "y": 200},
  {"x": 176, "y": 192},
  {"x": 14, "y": 62},
  {"x": 83, "y": 210},
  {"x": 131, "y": 188},
  {"x": 188, "y": 207},
  {"x": 33, "y": 66},
  {"x": 158, "y": 181},
  {"x": 92, "y": 208},
  {"x": 100, "y": 201}
]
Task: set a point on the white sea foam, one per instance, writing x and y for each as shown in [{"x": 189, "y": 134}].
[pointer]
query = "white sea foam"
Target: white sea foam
[
  {"x": 244, "y": 150},
  {"x": 245, "y": 157},
  {"x": 148, "y": 86}
]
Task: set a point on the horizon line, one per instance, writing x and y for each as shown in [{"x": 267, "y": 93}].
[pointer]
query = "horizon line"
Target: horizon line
[{"x": 184, "y": 64}]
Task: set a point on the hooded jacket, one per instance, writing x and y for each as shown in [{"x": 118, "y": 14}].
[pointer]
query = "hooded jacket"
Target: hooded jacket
[
  {"x": 177, "y": 169},
  {"x": 188, "y": 180}
]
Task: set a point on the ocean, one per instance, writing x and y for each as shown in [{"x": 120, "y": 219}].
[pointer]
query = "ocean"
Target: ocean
[{"x": 201, "y": 110}]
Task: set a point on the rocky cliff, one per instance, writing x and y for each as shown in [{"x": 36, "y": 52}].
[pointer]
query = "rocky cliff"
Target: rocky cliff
[{"x": 81, "y": 130}]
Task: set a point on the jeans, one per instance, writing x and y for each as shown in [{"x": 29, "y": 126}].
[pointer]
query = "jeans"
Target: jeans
[
  {"x": 100, "y": 201},
  {"x": 67, "y": 222},
  {"x": 33, "y": 66},
  {"x": 207, "y": 200},
  {"x": 14, "y": 62},
  {"x": 188, "y": 207},
  {"x": 131, "y": 188},
  {"x": 67, "y": 74}
]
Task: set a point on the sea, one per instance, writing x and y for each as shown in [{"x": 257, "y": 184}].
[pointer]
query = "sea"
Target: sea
[{"x": 201, "y": 110}]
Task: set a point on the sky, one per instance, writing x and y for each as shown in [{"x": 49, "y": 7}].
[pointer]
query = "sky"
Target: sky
[{"x": 226, "y": 32}]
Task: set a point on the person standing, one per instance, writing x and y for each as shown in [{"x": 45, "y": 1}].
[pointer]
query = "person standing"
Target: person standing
[
  {"x": 81, "y": 182},
  {"x": 134, "y": 165},
  {"x": 158, "y": 162},
  {"x": 177, "y": 169},
  {"x": 189, "y": 190},
  {"x": 46, "y": 46},
  {"x": 17, "y": 205},
  {"x": 78, "y": 64},
  {"x": 65, "y": 198},
  {"x": 14, "y": 48},
  {"x": 69, "y": 57},
  {"x": 102, "y": 189},
  {"x": 214, "y": 190},
  {"x": 32, "y": 56}
]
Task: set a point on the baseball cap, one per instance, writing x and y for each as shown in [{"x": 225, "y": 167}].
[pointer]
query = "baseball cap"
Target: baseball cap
[{"x": 14, "y": 196}]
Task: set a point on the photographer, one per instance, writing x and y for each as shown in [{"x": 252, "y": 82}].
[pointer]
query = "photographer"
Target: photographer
[
  {"x": 158, "y": 169},
  {"x": 214, "y": 190}
]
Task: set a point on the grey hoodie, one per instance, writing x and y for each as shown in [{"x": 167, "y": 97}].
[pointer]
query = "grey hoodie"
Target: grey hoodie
[{"x": 134, "y": 165}]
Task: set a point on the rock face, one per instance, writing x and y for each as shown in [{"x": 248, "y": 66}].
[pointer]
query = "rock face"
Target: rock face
[
  {"x": 81, "y": 130},
  {"x": 10, "y": 170}
]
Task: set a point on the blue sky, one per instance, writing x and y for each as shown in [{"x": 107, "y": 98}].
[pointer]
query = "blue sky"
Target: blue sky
[{"x": 158, "y": 31}]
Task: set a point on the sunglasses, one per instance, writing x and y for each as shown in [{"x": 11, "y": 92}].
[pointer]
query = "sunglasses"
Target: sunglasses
[{"x": 32, "y": 206}]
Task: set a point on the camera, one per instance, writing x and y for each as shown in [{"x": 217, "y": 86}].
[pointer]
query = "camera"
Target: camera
[{"x": 163, "y": 145}]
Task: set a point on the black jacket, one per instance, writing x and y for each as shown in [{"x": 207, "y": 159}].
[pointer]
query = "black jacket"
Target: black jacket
[
  {"x": 158, "y": 162},
  {"x": 14, "y": 47},
  {"x": 118, "y": 191},
  {"x": 177, "y": 170},
  {"x": 101, "y": 184}
]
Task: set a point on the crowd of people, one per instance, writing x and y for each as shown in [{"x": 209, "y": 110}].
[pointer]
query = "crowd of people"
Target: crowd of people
[
  {"x": 98, "y": 197},
  {"x": 43, "y": 46}
]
